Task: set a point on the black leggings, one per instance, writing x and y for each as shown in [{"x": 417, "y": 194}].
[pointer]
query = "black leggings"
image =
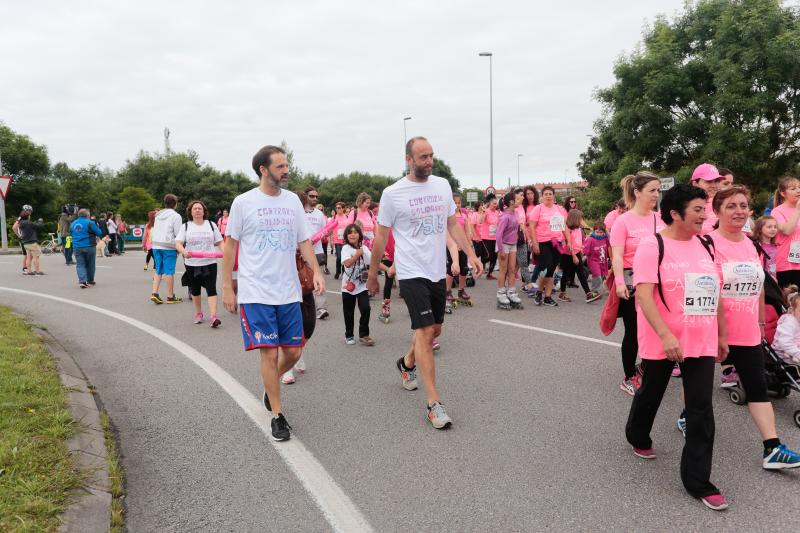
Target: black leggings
[
  {"x": 491, "y": 254},
  {"x": 630, "y": 343},
  {"x": 389, "y": 283},
  {"x": 462, "y": 264},
  {"x": 480, "y": 251},
  {"x": 149, "y": 257},
  {"x": 309, "y": 311},
  {"x": 749, "y": 364},
  {"x": 698, "y": 386},
  {"x": 338, "y": 248},
  {"x": 548, "y": 258},
  {"x": 569, "y": 269},
  {"x": 349, "y": 308}
]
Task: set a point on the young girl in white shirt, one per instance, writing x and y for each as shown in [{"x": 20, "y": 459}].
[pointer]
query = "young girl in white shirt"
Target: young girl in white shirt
[
  {"x": 355, "y": 265},
  {"x": 787, "y": 335}
]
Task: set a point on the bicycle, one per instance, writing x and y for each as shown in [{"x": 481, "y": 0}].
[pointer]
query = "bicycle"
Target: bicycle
[{"x": 50, "y": 245}]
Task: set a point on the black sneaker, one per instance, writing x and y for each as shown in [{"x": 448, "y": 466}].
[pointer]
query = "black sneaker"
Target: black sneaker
[
  {"x": 92, "y": 283},
  {"x": 548, "y": 301},
  {"x": 538, "y": 298},
  {"x": 266, "y": 402},
  {"x": 156, "y": 299},
  {"x": 280, "y": 428}
]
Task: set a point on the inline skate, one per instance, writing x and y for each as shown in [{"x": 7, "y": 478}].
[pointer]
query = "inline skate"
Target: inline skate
[
  {"x": 385, "y": 311},
  {"x": 464, "y": 298},
  {"x": 450, "y": 303},
  {"x": 502, "y": 300},
  {"x": 516, "y": 303}
]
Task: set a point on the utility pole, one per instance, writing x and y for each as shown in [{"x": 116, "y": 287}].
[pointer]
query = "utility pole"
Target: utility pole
[
  {"x": 166, "y": 141},
  {"x": 3, "y": 228}
]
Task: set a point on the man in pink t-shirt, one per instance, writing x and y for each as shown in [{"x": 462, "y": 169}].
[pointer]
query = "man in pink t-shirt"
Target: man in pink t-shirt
[{"x": 612, "y": 215}]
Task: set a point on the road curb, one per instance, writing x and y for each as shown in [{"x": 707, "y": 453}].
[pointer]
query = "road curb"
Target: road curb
[{"x": 90, "y": 509}]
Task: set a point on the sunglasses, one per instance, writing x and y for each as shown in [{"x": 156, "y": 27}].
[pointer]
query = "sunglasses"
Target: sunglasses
[{"x": 313, "y": 196}]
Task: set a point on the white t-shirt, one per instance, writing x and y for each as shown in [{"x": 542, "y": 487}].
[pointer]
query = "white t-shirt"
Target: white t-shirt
[
  {"x": 268, "y": 229},
  {"x": 112, "y": 227},
  {"x": 418, "y": 214},
  {"x": 199, "y": 238},
  {"x": 316, "y": 221},
  {"x": 353, "y": 273}
]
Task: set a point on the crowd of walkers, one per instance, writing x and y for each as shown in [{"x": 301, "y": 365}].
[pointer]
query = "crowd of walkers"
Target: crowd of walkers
[{"x": 694, "y": 279}]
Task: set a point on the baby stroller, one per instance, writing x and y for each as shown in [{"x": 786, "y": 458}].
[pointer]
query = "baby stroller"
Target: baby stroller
[{"x": 781, "y": 377}]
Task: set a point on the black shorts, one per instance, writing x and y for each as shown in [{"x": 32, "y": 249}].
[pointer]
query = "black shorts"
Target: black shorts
[
  {"x": 202, "y": 277},
  {"x": 548, "y": 258},
  {"x": 462, "y": 263},
  {"x": 425, "y": 300}
]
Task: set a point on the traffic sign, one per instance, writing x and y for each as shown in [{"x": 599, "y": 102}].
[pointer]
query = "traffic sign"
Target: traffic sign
[
  {"x": 472, "y": 197},
  {"x": 489, "y": 190},
  {"x": 5, "y": 183},
  {"x": 666, "y": 183}
]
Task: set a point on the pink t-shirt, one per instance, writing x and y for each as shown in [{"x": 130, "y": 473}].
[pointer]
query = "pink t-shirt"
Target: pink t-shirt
[
  {"x": 611, "y": 217},
  {"x": 689, "y": 282},
  {"x": 367, "y": 223},
  {"x": 629, "y": 229},
  {"x": 489, "y": 226},
  {"x": 711, "y": 218},
  {"x": 520, "y": 212},
  {"x": 473, "y": 219},
  {"x": 550, "y": 222},
  {"x": 739, "y": 268},
  {"x": 782, "y": 213},
  {"x": 338, "y": 232},
  {"x": 461, "y": 217},
  {"x": 576, "y": 238}
]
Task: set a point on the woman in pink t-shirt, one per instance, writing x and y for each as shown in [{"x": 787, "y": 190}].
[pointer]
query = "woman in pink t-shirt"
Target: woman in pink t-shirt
[
  {"x": 787, "y": 214},
  {"x": 488, "y": 219},
  {"x": 363, "y": 215},
  {"x": 477, "y": 242},
  {"x": 342, "y": 221},
  {"x": 680, "y": 321},
  {"x": 641, "y": 195},
  {"x": 549, "y": 238},
  {"x": 572, "y": 264},
  {"x": 739, "y": 267},
  {"x": 530, "y": 199}
]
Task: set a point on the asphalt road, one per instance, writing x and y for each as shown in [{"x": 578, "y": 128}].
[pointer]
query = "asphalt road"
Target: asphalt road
[{"x": 537, "y": 441}]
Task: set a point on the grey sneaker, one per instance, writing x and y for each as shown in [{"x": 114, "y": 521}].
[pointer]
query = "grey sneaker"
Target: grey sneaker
[
  {"x": 409, "y": 376},
  {"x": 437, "y": 416}
]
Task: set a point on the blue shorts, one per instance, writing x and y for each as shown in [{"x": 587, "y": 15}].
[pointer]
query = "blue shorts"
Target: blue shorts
[
  {"x": 165, "y": 261},
  {"x": 271, "y": 326}
]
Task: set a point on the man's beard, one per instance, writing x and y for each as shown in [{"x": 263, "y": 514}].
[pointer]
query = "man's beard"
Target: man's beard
[{"x": 422, "y": 173}]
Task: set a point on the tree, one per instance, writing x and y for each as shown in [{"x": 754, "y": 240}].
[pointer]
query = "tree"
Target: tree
[
  {"x": 719, "y": 84},
  {"x": 28, "y": 165},
  {"x": 134, "y": 203},
  {"x": 89, "y": 186},
  {"x": 443, "y": 170},
  {"x": 346, "y": 188}
]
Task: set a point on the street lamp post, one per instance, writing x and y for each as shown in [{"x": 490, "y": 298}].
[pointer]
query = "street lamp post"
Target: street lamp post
[
  {"x": 405, "y": 137},
  {"x": 491, "y": 133},
  {"x": 518, "y": 156}
]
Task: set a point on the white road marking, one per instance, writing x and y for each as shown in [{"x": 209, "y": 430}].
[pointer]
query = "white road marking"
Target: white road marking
[
  {"x": 334, "y": 292},
  {"x": 336, "y": 507},
  {"x": 554, "y": 332}
]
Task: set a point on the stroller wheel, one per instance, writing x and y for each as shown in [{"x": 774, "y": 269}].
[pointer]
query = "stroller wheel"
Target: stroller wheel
[
  {"x": 797, "y": 418},
  {"x": 737, "y": 396}
]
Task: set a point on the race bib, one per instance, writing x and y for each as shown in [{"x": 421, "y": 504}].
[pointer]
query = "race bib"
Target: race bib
[
  {"x": 741, "y": 280},
  {"x": 340, "y": 234},
  {"x": 556, "y": 223},
  {"x": 794, "y": 252},
  {"x": 493, "y": 229},
  {"x": 747, "y": 228},
  {"x": 701, "y": 294}
]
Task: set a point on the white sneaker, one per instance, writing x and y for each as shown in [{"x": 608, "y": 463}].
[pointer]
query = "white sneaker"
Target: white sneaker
[
  {"x": 300, "y": 365},
  {"x": 322, "y": 314},
  {"x": 288, "y": 378}
]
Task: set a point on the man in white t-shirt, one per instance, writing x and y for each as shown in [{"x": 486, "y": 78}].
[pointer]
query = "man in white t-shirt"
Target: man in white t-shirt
[
  {"x": 268, "y": 225},
  {"x": 316, "y": 221},
  {"x": 419, "y": 209}
]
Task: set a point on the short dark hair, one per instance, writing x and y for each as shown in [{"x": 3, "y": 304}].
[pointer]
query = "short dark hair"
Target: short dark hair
[
  {"x": 724, "y": 171},
  {"x": 548, "y": 188},
  {"x": 411, "y": 141},
  {"x": 309, "y": 189},
  {"x": 489, "y": 197},
  {"x": 264, "y": 157},
  {"x": 170, "y": 201},
  {"x": 190, "y": 205},
  {"x": 677, "y": 199}
]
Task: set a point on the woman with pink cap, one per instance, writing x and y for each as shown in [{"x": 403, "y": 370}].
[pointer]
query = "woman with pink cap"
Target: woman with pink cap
[{"x": 708, "y": 178}]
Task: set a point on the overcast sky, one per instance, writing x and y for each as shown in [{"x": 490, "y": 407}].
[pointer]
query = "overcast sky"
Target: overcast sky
[{"x": 98, "y": 81}]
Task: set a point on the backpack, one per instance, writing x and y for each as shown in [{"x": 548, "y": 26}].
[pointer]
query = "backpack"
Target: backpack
[
  {"x": 706, "y": 241},
  {"x": 186, "y": 229}
]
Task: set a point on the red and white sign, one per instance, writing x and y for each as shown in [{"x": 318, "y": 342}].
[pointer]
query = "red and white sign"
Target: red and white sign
[
  {"x": 137, "y": 231},
  {"x": 489, "y": 190},
  {"x": 5, "y": 183}
]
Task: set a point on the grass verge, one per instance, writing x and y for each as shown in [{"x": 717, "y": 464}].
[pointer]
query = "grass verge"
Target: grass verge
[
  {"x": 117, "y": 476},
  {"x": 36, "y": 470}
]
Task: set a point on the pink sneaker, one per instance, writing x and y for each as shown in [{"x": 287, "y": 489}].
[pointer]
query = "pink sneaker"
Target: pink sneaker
[
  {"x": 435, "y": 344},
  {"x": 716, "y": 502},
  {"x": 729, "y": 379},
  {"x": 648, "y": 453},
  {"x": 198, "y": 318}
]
